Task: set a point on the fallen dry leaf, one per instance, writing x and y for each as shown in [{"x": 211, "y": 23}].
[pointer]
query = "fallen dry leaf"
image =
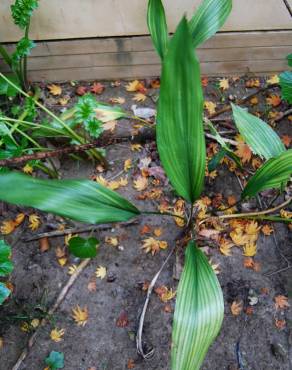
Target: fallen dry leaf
[
  {"x": 7, "y": 227},
  {"x": 118, "y": 100},
  {"x": 280, "y": 324},
  {"x": 72, "y": 269},
  {"x": 80, "y": 315},
  {"x": 281, "y": 302},
  {"x": 253, "y": 83},
  {"x": 274, "y": 100},
  {"x": 236, "y": 308},
  {"x": 243, "y": 152},
  {"x": 57, "y": 335},
  {"x": 153, "y": 245},
  {"x": 81, "y": 90},
  {"x": 100, "y": 272},
  {"x": 91, "y": 286},
  {"x": 224, "y": 83},
  {"x": 28, "y": 169},
  {"x": 55, "y": 89},
  {"x": 122, "y": 320},
  {"x": 286, "y": 140},
  {"x": 44, "y": 244},
  {"x": 139, "y": 97},
  {"x": 112, "y": 240},
  {"x": 267, "y": 230},
  {"x": 97, "y": 88},
  {"x": 110, "y": 125},
  {"x": 140, "y": 183},
  {"x": 136, "y": 147},
  {"x": 34, "y": 221},
  {"x": 210, "y": 107},
  {"x": 249, "y": 250},
  {"x": 273, "y": 80}
]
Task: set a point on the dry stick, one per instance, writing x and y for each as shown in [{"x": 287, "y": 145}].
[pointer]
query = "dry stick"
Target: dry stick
[
  {"x": 249, "y": 214},
  {"x": 49, "y": 154},
  {"x": 56, "y": 233},
  {"x": 139, "y": 342},
  {"x": 283, "y": 114},
  {"x": 51, "y": 311},
  {"x": 241, "y": 101}
]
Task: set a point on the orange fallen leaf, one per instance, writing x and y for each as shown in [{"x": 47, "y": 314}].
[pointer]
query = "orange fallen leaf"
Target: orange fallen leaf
[
  {"x": 274, "y": 100},
  {"x": 286, "y": 140},
  {"x": 280, "y": 324},
  {"x": 281, "y": 302},
  {"x": 236, "y": 308},
  {"x": 97, "y": 88},
  {"x": 44, "y": 244},
  {"x": 267, "y": 230},
  {"x": 7, "y": 227},
  {"x": 243, "y": 152}
]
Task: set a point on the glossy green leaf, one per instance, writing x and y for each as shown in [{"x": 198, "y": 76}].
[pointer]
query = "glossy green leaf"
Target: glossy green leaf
[
  {"x": 6, "y": 266},
  {"x": 262, "y": 139},
  {"x": 286, "y": 86},
  {"x": 55, "y": 360},
  {"x": 81, "y": 200},
  {"x": 289, "y": 59},
  {"x": 157, "y": 26},
  {"x": 198, "y": 313},
  {"x": 4, "y": 292},
  {"x": 273, "y": 174},
  {"x": 180, "y": 136},
  {"x": 83, "y": 248},
  {"x": 208, "y": 19}
]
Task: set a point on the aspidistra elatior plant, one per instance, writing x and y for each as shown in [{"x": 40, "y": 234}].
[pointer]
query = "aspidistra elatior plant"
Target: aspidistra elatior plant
[{"x": 180, "y": 138}]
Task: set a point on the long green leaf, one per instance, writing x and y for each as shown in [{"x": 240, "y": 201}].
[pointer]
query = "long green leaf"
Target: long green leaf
[
  {"x": 273, "y": 174},
  {"x": 289, "y": 59},
  {"x": 4, "y": 292},
  {"x": 198, "y": 313},
  {"x": 157, "y": 26},
  {"x": 262, "y": 139},
  {"x": 208, "y": 19},
  {"x": 286, "y": 86},
  {"x": 81, "y": 200},
  {"x": 180, "y": 137}
]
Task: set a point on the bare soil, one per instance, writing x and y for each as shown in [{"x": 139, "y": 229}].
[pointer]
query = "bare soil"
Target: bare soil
[{"x": 248, "y": 341}]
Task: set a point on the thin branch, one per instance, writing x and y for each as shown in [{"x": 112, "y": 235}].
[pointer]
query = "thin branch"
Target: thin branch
[
  {"x": 58, "y": 233},
  {"x": 51, "y": 311}
]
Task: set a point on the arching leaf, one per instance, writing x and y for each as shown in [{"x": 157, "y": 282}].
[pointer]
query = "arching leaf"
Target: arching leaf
[
  {"x": 180, "y": 137},
  {"x": 262, "y": 139},
  {"x": 198, "y": 313},
  {"x": 273, "y": 174},
  {"x": 81, "y": 200}
]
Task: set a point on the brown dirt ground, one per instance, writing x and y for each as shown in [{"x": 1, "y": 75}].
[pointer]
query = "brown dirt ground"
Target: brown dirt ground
[{"x": 247, "y": 341}]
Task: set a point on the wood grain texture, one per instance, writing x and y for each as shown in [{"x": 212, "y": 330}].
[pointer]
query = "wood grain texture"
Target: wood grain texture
[
  {"x": 69, "y": 19},
  {"x": 130, "y": 57}
]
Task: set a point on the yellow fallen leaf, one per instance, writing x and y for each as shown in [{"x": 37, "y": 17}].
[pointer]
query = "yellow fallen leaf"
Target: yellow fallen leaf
[
  {"x": 55, "y": 89},
  {"x": 112, "y": 240},
  {"x": 100, "y": 272},
  {"x": 139, "y": 97},
  {"x": 224, "y": 83},
  {"x": 123, "y": 181},
  {"x": 127, "y": 164},
  {"x": 113, "y": 185},
  {"x": 72, "y": 269},
  {"x": 157, "y": 232},
  {"x": 152, "y": 245},
  {"x": 62, "y": 261},
  {"x": 249, "y": 250},
  {"x": 136, "y": 147},
  {"x": 7, "y": 227},
  {"x": 64, "y": 101},
  {"x": 80, "y": 315},
  {"x": 140, "y": 183},
  {"x": 273, "y": 80},
  {"x": 252, "y": 228},
  {"x": 57, "y": 335},
  {"x": 19, "y": 219},
  {"x": 34, "y": 221},
  {"x": 101, "y": 180},
  {"x": 28, "y": 169},
  {"x": 238, "y": 237},
  {"x": 225, "y": 247},
  {"x": 210, "y": 106},
  {"x": 133, "y": 86}
]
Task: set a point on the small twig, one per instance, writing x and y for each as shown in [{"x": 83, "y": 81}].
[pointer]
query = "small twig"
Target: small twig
[
  {"x": 139, "y": 342},
  {"x": 283, "y": 114},
  {"x": 229, "y": 141},
  {"x": 56, "y": 233},
  {"x": 49, "y": 154},
  {"x": 288, "y": 7},
  {"x": 241, "y": 101},
  {"x": 51, "y": 311}
]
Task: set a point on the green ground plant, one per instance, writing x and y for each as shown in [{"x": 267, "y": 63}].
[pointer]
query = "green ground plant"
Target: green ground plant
[
  {"x": 21, "y": 12},
  {"x": 181, "y": 144}
]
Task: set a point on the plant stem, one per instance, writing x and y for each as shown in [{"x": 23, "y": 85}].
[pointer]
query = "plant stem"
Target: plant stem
[
  {"x": 24, "y": 64},
  {"x": 162, "y": 214},
  {"x": 5, "y": 55}
]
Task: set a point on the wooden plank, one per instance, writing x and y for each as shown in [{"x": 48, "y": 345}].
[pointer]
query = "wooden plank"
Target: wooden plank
[
  {"x": 150, "y": 58},
  {"x": 143, "y": 71},
  {"x": 68, "y": 19},
  {"x": 144, "y": 43}
]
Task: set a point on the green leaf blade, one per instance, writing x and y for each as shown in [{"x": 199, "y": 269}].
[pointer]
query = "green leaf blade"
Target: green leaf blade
[
  {"x": 262, "y": 139},
  {"x": 6, "y": 266},
  {"x": 286, "y": 85},
  {"x": 81, "y": 200},
  {"x": 180, "y": 136},
  {"x": 199, "y": 312},
  {"x": 4, "y": 292},
  {"x": 157, "y": 26},
  {"x": 273, "y": 174},
  {"x": 208, "y": 19}
]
